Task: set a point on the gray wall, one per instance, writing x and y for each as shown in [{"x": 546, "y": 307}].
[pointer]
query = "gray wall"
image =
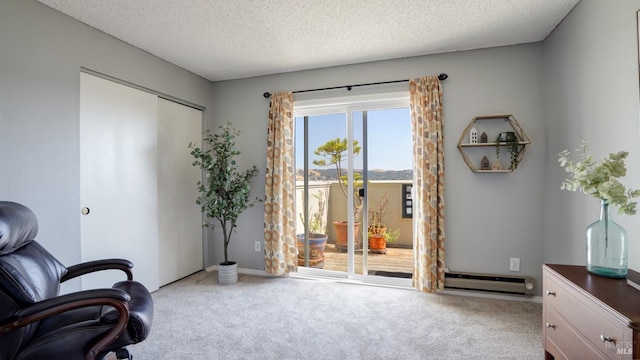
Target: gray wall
[
  {"x": 489, "y": 217},
  {"x": 580, "y": 83},
  {"x": 41, "y": 53},
  {"x": 590, "y": 87}
]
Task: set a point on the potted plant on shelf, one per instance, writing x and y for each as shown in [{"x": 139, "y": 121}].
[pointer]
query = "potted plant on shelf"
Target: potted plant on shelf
[
  {"x": 511, "y": 141},
  {"x": 378, "y": 233},
  {"x": 333, "y": 153},
  {"x": 317, "y": 234},
  {"x": 224, "y": 194}
]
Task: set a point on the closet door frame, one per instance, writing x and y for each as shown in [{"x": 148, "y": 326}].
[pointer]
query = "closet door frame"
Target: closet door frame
[{"x": 136, "y": 242}]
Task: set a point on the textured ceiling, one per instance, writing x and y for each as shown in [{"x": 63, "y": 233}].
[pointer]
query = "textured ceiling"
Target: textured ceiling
[{"x": 228, "y": 39}]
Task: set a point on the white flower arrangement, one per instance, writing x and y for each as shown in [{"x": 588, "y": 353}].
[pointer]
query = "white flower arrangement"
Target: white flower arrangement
[{"x": 599, "y": 178}]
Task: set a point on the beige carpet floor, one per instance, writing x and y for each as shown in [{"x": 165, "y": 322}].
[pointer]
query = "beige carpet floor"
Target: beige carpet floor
[{"x": 288, "y": 318}]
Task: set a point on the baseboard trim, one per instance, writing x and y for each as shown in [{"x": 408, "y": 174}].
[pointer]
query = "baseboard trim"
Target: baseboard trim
[
  {"x": 533, "y": 299},
  {"x": 262, "y": 273}
]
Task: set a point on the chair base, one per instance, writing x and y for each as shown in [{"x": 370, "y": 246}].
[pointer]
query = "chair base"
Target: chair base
[
  {"x": 119, "y": 354},
  {"x": 123, "y": 354}
]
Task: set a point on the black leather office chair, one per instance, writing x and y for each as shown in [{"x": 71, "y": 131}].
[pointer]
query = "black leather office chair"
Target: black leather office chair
[{"x": 38, "y": 323}]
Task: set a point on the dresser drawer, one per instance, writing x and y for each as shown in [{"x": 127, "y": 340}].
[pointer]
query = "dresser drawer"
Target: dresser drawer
[
  {"x": 564, "y": 339},
  {"x": 587, "y": 319}
]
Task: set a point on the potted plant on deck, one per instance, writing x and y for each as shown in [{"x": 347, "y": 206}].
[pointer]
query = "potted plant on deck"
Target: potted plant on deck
[
  {"x": 317, "y": 234},
  {"x": 333, "y": 152},
  {"x": 224, "y": 194},
  {"x": 378, "y": 233}
]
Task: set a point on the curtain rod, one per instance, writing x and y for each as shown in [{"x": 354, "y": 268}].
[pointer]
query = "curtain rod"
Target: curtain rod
[{"x": 267, "y": 95}]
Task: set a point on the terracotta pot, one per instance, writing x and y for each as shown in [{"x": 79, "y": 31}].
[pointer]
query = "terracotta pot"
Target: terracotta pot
[
  {"x": 378, "y": 244},
  {"x": 377, "y": 241},
  {"x": 340, "y": 228}
]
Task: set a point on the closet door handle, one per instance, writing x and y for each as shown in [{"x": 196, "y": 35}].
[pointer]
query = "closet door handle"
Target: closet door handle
[
  {"x": 551, "y": 293},
  {"x": 606, "y": 339},
  {"x": 85, "y": 211}
]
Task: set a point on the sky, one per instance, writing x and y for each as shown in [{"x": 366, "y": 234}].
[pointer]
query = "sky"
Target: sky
[{"x": 389, "y": 137}]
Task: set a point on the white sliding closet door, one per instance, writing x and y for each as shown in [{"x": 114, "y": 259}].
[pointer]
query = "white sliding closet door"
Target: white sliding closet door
[
  {"x": 118, "y": 179},
  {"x": 180, "y": 219}
]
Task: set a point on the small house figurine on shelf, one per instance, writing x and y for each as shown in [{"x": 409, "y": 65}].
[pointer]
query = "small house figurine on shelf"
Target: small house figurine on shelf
[
  {"x": 484, "y": 164},
  {"x": 484, "y": 138},
  {"x": 473, "y": 136},
  {"x": 496, "y": 165}
]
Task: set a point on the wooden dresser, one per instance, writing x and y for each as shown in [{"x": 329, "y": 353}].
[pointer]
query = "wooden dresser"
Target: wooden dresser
[{"x": 587, "y": 316}]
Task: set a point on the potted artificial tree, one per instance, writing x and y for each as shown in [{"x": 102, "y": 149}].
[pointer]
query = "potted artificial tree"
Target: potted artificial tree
[
  {"x": 378, "y": 233},
  {"x": 333, "y": 152},
  {"x": 224, "y": 194}
]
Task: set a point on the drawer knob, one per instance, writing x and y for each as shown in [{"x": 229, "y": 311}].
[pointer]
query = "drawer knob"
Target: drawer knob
[
  {"x": 606, "y": 339},
  {"x": 551, "y": 326},
  {"x": 551, "y": 293}
]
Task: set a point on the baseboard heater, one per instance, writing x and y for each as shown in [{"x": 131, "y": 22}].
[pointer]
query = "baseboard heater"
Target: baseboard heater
[{"x": 505, "y": 284}]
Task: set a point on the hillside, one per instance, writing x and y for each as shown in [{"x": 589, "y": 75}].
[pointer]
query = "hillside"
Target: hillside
[{"x": 330, "y": 174}]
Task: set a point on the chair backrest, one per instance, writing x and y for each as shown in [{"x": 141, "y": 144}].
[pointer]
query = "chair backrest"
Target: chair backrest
[{"x": 28, "y": 272}]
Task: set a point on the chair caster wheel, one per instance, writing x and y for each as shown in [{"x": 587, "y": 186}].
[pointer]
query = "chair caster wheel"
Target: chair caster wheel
[{"x": 123, "y": 354}]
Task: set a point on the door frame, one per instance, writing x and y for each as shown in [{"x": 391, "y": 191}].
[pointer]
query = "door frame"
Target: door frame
[{"x": 348, "y": 105}]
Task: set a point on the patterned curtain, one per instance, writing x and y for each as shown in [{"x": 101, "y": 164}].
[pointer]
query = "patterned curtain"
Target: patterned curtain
[
  {"x": 428, "y": 183},
  {"x": 279, "y": 206}
]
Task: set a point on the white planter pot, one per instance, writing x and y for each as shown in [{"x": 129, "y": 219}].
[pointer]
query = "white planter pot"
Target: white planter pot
[{"x": 228, "y": 273}]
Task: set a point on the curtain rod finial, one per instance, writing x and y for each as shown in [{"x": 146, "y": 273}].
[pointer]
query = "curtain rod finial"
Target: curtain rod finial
[{"x": 266, "y": 95}]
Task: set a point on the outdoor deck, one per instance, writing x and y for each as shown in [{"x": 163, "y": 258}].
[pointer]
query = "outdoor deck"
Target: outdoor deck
[{"x": 395, "y": 260}]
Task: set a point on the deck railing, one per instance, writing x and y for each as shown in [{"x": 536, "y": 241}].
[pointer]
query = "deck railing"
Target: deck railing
[{"x": 335, "y": 208}]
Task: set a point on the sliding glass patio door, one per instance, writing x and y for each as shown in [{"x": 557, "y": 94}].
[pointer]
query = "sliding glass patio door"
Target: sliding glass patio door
[{"x": 336, "y": 190}]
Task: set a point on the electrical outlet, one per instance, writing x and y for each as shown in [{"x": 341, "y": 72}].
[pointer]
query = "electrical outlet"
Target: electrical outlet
[
  {"x": 257, "y": 246},
  {"x": 514, "y": 264}
]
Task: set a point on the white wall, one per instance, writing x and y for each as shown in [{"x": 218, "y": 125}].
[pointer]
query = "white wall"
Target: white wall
[
  {"x": 490, "y": 217},
  {"x": 42, "y": 52},
  {"x": 590, "y": 87}
]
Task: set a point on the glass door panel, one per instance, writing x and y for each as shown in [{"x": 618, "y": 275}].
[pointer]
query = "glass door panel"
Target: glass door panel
[
  {"x": 389, "y": 167},
  {"x": 320, "y": 158}
]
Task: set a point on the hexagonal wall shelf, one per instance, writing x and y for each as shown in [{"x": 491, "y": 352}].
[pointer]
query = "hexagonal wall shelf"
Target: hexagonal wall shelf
[{"x": 490, "y": 126}]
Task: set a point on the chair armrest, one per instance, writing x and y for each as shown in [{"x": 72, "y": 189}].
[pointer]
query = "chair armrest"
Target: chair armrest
[
  {"x": 115, "y": 298},
  {"x": 59, "y": 304},
  {"x": 98, "y": 265}
]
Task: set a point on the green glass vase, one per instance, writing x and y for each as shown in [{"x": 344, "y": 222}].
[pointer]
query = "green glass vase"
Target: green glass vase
[{"x": 606, "y": 246}]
